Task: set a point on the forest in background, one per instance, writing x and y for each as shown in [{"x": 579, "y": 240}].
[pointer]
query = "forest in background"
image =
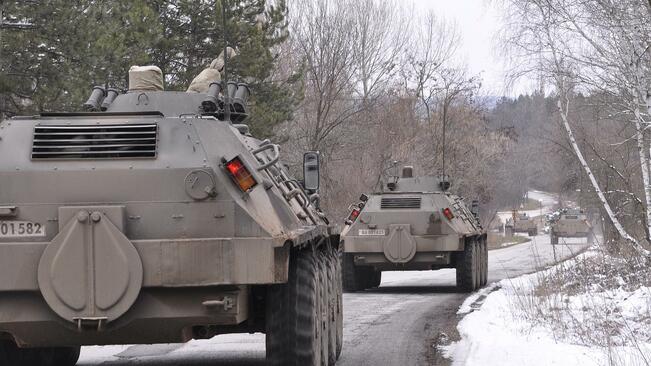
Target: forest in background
[{"x": 367, "y": 83}]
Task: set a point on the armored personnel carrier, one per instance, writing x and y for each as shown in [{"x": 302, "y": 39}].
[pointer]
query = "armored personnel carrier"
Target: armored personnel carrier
[
  {"x": 520, "y": 223},
  {"x": 571, "y": 223},
  {"x": 413, "y": 224},
  {"x": 155, "y": 217}
]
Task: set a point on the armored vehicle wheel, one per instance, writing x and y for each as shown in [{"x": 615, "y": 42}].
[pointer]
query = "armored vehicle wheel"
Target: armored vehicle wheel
[
  {"x": 333, "y": 298},
  {"x": 339, "y": 302},
  {"x": 11, "y": 355},
  {"x": 354, "y": 278},
  {"x": 484, "y": 263},
  {"x": 324, "y": 305},
  {"x": 376, "y": 278},
  {"x": 294, "y": 327},
  {"x": 468, "y": 266},
  {"x": 478, "y": 264},
  {"x": 554, "y": 238},
  {"x": 67, "y": 356}
]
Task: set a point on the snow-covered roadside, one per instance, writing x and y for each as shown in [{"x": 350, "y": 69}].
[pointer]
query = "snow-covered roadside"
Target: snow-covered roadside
[{"x": 506, "y": 325}]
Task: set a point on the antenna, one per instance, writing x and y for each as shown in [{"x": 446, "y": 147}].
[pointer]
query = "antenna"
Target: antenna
[{"x": 227, "y": 102}]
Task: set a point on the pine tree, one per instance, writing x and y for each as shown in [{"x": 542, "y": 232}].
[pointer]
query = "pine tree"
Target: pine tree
[{"x": 75, "y": 45}]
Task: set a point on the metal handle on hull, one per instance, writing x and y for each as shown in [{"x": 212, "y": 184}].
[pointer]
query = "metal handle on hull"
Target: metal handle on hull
[
  {"x": 8, "y": 211},
  {"x": 274, "y": 159}
]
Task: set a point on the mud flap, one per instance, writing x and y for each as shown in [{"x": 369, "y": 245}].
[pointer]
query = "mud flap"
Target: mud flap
[
  {"x": 90, "y": 274},
  {"x": 400, "y": 246}
]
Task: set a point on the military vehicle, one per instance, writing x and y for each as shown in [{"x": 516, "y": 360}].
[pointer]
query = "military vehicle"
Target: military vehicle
[
  {"x": 571, "y": 223},
  {"x": 155, "y": 217},
  {"x": 520, "y": 223},
  {"x": 413, "y": 223}
]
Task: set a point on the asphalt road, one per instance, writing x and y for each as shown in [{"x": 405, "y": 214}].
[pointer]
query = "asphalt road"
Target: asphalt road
[{"x": 398, "y": 323}]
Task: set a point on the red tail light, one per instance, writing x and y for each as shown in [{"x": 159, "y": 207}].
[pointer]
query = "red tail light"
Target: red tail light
[
  {"x": 240, "y": 174},
  {"x": 353, "y": 215},
  {"x": 448, "y": 213}
]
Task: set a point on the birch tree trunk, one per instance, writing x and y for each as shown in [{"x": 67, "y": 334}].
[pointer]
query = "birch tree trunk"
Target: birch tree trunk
[
  {"x": 644, "y": 165},
  {"x": 602, "y": 198}
]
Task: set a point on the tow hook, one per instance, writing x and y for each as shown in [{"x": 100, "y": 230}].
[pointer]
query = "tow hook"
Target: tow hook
[{"x": 227, "y": 303}]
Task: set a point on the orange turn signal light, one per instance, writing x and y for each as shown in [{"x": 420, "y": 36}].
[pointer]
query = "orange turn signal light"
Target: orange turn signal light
[{"x": 240, "y": 174}]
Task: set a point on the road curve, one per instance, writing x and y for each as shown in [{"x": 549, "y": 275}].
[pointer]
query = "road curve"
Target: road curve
[{"x": 396, "y": 324}]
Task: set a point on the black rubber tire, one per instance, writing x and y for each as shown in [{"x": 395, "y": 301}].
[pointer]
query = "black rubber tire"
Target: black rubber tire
[
  {"x": 11, "y": 355},
  {"x": 324, "y": 293},
  {"x": 467, "y": 267},
  {"x": 484, "y": 261},
  {"x": 340, "y": 303},
  {"x": 293, "y": 324},
  {"x": 65, "y": 356},
  {"x": 376, "y": 278},
  {"x": 332, "y": 307},
  {"x": 554, "y": 239},
  {"x": 478, "y": 263},
  {"x": 353, "y": 276}
]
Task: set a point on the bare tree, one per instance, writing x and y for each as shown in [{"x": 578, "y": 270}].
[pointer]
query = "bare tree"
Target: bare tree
[
  {"x": 591, "y": 47},
  {"x": 320, "y": 31},
  {"x": 427, "y": 53},
  {"x": 381, "y": 32}
]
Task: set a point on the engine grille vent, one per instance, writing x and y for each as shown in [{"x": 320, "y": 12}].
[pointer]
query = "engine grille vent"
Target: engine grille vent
[
  {"x": 132, "y": 141},
  {"x": 400, "y": 202}
]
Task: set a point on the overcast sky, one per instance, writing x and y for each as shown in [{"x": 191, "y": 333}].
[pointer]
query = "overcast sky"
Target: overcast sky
[{"x": 478, "y": 22}]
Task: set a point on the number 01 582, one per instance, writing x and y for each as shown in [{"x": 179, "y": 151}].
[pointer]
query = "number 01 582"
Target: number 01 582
[{"x": 20, "y": 229}]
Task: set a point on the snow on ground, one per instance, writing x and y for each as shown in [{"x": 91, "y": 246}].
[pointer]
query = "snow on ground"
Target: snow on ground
[{"x": 504, "y": 326}]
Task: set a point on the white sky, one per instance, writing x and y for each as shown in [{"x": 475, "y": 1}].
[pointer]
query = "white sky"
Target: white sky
[{"x": 478, "y": 22}]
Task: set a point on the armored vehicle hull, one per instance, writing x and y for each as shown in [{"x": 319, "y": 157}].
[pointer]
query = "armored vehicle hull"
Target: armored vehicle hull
[
  {"x": 521, "y": 224},
  {"x": 571, "y": 224},
  {"x": 153, "y": 222},
  {"x": 413, "y": 227}
]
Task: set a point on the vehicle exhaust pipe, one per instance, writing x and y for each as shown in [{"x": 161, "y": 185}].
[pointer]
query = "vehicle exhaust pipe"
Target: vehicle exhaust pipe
[
  {"x": 239, "y": 101},
  {"x": 212, "y": 103},
  {"x": 231, "y": 89},
  {"x": 94, "y": 102},
  {"x": 241, "y": 97}
]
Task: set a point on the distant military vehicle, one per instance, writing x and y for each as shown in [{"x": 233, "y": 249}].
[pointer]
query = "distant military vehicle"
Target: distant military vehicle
[
  {"x": 155, "y": 217},
  {"x": 413, "y": 224},
  {"x": 571, "y": 223},
  {"x": 520, "y": 223}
]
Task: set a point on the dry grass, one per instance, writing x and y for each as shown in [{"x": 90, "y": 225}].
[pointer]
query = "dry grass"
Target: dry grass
[
  {"x": 498, "y": 241},
  {"x": 587, "y": 301},
  {"x": 530, "y": 204}
]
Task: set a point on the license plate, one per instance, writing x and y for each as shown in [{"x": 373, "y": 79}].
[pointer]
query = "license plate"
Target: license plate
[
  {"x": 21, "y": 229},
  {"x": 366, "y": 232}
]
